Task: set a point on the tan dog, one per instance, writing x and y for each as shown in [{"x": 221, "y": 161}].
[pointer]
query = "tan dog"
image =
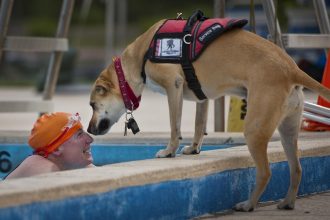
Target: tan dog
[{"x": 239, "y": 63}]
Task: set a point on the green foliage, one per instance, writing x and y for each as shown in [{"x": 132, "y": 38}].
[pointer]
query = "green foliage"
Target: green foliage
[{"x": 41, "y": 27}]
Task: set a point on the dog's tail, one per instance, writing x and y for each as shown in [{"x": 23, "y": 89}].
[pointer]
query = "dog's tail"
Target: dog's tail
[{"x": 305, "y": 80}]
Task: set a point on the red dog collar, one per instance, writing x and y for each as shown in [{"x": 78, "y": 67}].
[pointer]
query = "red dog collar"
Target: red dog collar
[{"x": 130, "y": 100}]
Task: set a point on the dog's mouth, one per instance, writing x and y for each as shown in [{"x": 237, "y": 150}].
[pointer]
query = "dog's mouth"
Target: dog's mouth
[{"x": 102, "y": 128}]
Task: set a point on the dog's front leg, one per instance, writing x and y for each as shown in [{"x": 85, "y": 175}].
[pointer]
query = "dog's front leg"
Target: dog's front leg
[
  {"x": 175, "y": 97},
  {"x": 200, "y": 128}
]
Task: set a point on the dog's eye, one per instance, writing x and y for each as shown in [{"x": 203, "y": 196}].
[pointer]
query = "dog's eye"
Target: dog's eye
[{"x": 100, "y": 90}]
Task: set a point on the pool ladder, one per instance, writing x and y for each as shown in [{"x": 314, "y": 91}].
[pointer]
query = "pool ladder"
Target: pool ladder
[
  {"x": 304, "y": 41},
  {"x": 56, "y": 46}
]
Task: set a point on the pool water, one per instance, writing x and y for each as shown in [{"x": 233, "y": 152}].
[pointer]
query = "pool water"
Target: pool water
[{"x": 11, "y": 155}]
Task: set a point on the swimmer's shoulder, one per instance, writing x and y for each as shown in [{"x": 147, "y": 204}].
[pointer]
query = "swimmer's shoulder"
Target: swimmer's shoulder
[{"x": 33, "y": 165}]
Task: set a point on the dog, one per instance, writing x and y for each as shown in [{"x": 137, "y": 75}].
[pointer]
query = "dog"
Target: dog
[{"x": 237, "y": 63}]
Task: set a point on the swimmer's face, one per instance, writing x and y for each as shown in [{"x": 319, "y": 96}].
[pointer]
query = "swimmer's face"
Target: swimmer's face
[{"x": 76, "y": 152}]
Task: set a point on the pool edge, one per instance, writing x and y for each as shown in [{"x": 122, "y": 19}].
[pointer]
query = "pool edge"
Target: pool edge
[{"x": 80, "y": 184}]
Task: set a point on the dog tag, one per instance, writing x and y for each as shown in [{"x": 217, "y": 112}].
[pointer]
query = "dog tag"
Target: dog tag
[
  {"x": 125, "y": 129},
  {"x": 131, "y": 124}
]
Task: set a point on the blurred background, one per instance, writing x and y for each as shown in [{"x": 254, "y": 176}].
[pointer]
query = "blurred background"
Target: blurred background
[
  {"x": 88, "y": 33},
  {"x": 100, "y": 29}
]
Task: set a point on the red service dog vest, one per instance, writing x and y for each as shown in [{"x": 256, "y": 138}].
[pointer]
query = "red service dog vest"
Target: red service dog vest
[
  {"x": 167, "y": 45},
  {"x": 183, "y": 41}
]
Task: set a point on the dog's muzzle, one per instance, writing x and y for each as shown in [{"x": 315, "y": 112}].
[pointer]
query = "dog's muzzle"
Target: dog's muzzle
[{"x": 102, "y": 128}]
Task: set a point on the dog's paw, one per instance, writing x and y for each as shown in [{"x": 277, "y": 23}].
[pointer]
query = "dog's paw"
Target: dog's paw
[
  {"x": 165, "y": 153},
  {"x": 285, "y": 204},
  {"x": 244, "y": 206},
  {"x": 189, "y": 150}
]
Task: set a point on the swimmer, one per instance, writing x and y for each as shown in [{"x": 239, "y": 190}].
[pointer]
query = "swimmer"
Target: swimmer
[{"x": 59, "y": 143}]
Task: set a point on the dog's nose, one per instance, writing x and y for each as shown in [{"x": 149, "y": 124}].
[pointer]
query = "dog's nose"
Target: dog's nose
[
  {"x": 91, "y": 129},
  {"x": 103, "y": 125}
]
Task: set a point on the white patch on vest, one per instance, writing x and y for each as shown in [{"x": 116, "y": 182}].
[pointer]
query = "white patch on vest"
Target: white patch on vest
[
  {"x": 153, "y": 86},
  {"x": 169, "y": 47}
]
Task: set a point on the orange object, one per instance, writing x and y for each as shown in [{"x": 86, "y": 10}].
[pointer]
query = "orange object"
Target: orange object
[
  {"x": 52, "y": 130},
  {"x": 309, "y": 125},
  {"x": 326, "y": 83}
]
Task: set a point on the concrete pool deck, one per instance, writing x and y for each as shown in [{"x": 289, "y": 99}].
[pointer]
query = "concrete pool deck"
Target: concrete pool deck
[
  {"x": 313, "y": 207},
  {"x": 58, "y": 186}
]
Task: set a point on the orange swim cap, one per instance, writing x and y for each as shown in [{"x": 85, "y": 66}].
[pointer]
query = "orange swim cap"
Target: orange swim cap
[{"x": 52, "y": 130}]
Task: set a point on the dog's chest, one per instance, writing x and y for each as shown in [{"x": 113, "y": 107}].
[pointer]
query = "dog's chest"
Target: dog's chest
[{"x": 153, "y": 86}]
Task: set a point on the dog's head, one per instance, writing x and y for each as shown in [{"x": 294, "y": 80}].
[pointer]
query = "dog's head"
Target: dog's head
[{"x": 106, "y": 102}]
